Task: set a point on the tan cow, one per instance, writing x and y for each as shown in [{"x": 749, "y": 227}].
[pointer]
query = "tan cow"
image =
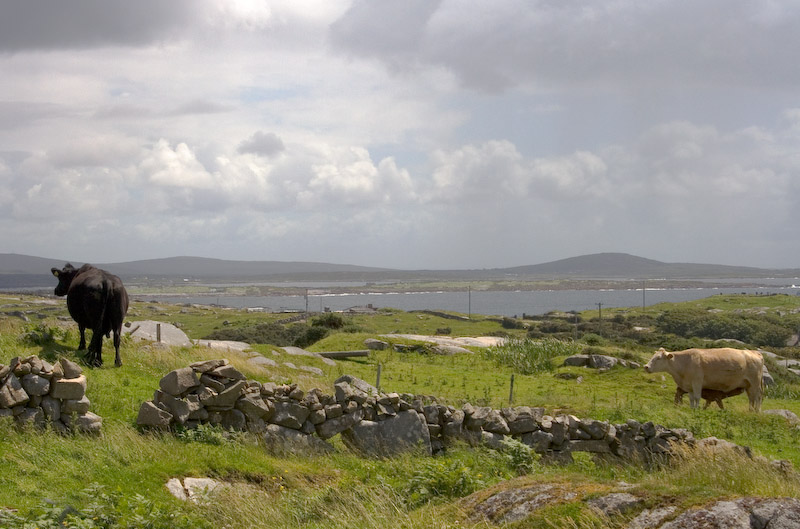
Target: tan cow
[{"x": 722, "y": 370}]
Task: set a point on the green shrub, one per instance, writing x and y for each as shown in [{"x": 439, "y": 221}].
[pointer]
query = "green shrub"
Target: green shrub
[
  {"x": 530, "y": 356},
  {"x": 331, "y": 320},
  {"x": 442, "y": 479},
  {"x": 754, "y": 329},
  {"x": 519, "y": 456},
  {"x": 106, "y": 510}
]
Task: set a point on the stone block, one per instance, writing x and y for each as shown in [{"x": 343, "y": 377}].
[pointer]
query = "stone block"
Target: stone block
[
  {"x": 79, "y": 406},
  {"x": 68, "y": 388}
]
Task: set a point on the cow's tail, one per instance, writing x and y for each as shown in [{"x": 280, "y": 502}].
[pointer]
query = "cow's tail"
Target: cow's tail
[{"x": 106, "y": 296}]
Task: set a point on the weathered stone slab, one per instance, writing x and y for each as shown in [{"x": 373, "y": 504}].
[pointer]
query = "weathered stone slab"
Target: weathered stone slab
[
  {"x": 69, "y": 388},
  {"x": 283, "y": 441},
  {"x": 227, "y": 371},
  {"x": 405, "y": 431},
  {"x": 207, "y": 365},
  {"x": 331, "y": 427}
]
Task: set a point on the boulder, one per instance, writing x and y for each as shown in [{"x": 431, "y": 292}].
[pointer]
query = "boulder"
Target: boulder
[
  {"x": 254, "y": 407},
  {"x": 177, "y": 381},
  {"x": 226, "y": 399},
  {"x": 151, "y": 415},
  {"x": 290, "y": 414},
  {"x": 69, "y": 368},
  {"x": 11, "y": 392},
  {"x": 35, "y": 385},
  {"x": 615, "y": 503},
  {"x": 79, "y": 406},
  {"x": 403, "y": 432},
  {"x": 286, "y": 441},
  {"x": 88, "y": 423},
  {"x": 375, "y": 345},
  {"x": 577, "y": 360}
]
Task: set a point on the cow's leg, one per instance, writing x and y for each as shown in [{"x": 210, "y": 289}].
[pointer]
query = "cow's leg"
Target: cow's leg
[
  {"x": 82, "y": 345},
  {"x": 679, "y": 393},
  {"x": 117, "y": 358},
  {"x": 719, "y": 403},
  {"x": 754, "y": 395},
  {"x": 696, "y": 394},
  {"x": 96, "y": 348}
]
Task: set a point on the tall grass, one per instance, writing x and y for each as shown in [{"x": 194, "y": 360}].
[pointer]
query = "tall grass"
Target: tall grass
[{"x": 528, "y": 357}]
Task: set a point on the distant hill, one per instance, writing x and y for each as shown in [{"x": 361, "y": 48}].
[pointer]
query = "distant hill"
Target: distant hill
[
  {"x": 22, "y": 271},
  {"x": 622, "y": 265}
]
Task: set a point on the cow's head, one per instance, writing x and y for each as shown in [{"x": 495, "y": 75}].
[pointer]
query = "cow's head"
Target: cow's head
[
  {"x": 65, "y": 277},
  {"x": 659, "y": 362}
]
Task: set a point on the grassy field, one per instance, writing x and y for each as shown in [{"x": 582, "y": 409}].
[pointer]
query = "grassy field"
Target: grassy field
[{"x": 124, "y": 470}]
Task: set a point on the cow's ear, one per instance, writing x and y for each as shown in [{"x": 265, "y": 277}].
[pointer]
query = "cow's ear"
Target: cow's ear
[
  {"x": 55, "y": 271},
  {"x": 669, "y": 355}
]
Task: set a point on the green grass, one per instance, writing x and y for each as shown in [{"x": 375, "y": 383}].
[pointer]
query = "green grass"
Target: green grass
[{"x": 344, "y": 490}]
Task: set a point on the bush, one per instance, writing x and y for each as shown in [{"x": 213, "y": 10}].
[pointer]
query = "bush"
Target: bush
[
  {"x": 106, "y": 510},
  {"x": 330, "y": 320},
  {"x": 530, "y": 356},
  {"x": 754, "y": 329},
  {"x": 298, "y": 334},
  {"x": 440, "y": 479},
  {"x": 519, "y": 456}
]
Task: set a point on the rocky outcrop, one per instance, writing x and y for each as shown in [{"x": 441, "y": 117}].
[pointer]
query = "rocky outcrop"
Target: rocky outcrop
[
  {"x": 35, "y": 392},
  {"x": 515, "y": 504}
]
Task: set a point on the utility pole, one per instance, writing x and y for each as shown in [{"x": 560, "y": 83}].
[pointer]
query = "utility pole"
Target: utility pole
[
  {"x": 644, "y": 289},
  {"x": 600, "y": 315},
  {"x": 469, "y": 302}
]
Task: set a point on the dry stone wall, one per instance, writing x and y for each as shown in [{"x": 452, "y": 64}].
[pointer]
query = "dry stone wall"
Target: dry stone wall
[
  {"x": 35, "y": 392},
  {"x": 375, "y": 423}
]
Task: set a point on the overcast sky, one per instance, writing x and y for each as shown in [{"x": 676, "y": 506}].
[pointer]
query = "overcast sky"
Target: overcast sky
[{"x": 413, "y": 134}]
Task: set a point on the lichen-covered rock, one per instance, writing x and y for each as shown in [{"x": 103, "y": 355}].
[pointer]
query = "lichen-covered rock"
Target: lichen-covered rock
[{"x": 35, "y": 385}]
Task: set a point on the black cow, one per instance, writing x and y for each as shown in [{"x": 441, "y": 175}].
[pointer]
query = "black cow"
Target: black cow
[{"x": 97, "y": 300}]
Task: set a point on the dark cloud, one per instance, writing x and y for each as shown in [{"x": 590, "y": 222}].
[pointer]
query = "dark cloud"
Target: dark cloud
[
  {"x": 496, "y": 46},
  {"x": 384, "y": 29},
  {"x": 77, "y": 24},
  {"x": 263, "y": 144}
]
